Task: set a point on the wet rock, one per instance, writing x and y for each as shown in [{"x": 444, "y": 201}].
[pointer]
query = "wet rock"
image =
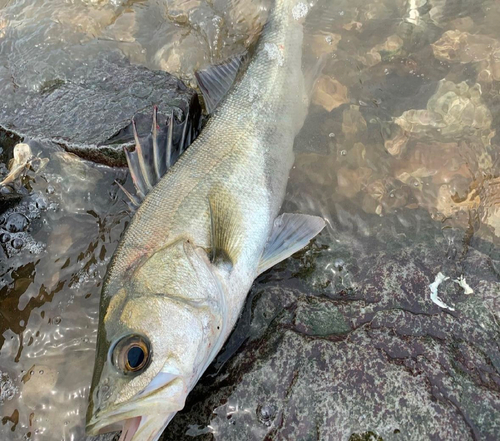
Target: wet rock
[
  {"x": 16, "y": 222},
  {"x": 413, "y": 13},
  {"x": 8, "y": 389},
  {"x": 451, "y": 111},
  {"x": 353, "y": 26},
  {"x": 4, "y": 237},
  {"x": 464, "y": 24},
  {"x": 440, "y": 162},
  {"x": 8, "y": 198},
  {"x": 384, "y": 51},
  {"x": 179, "y": 12},
  {"x": 97, "y": 102},
  {"x": 17, "y": 243},
  {"x": 351, "y": 181},
  {"x": 462, "y": 47},
  {"x": 378, "y": 360},
  {"x": 396, "y": 143},
  {"x": 50, "y": 284},
  {"x": 353, "y": 122},
  {"x": 38, "y": 381},
  {"x": 489, "y": 210}
]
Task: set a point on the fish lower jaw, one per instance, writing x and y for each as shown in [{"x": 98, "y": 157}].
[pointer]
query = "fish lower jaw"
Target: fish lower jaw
[
  {"x": 157, "y": 403},
  {"x": 130, "y": 428},
  {"x": 138, "y": 428},
  {"x": 111, "y": 423}
]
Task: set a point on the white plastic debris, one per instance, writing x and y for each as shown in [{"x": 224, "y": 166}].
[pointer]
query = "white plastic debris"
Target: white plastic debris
[
  {"x": 23, "y": 160},
  {"x": 440, "y": 277},
  {"x": 22, "y": 156},
  {"x": 463, "y": 283}
]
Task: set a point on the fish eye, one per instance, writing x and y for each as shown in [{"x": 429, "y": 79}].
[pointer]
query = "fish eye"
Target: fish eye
[{"x": 131, "y": 354}]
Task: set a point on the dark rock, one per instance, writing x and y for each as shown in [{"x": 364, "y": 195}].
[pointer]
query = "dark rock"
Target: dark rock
[
  {"x": 8, "y": 199},
  {"x": 16, "y": 222},
  {"x": 4, "y": 237},
  {"x": 85, "y": 111},
  {"x": 17, "y": 243}
]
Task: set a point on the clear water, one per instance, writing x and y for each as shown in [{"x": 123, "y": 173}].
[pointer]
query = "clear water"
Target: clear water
[{"x": 402, "y": 129}]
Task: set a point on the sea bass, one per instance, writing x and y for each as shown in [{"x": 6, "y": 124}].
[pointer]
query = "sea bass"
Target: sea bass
[{"x": 179, "y": 278}]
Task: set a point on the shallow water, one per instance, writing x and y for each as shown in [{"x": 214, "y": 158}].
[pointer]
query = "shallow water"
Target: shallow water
[
  {"x": 50, "y": 295},
  {"x": 400, "y": 138}
]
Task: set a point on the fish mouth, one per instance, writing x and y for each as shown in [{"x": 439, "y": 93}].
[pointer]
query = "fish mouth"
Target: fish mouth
[
  {"x": 137, "y": 419},
  {"x": 136, "y": 428}
]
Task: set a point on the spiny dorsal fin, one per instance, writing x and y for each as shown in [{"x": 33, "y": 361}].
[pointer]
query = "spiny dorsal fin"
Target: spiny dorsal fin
[
  {"x": 291, "y": 233},
  {"x": 225, "y": 234},
  {"x": 155, "y": 153},
  {"x": 215, "y": 81}
]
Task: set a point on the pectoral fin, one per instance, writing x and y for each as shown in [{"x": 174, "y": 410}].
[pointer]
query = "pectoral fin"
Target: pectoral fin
[
  {"x": 225, "y": 234},
  {"x": 291, "y": 233}
]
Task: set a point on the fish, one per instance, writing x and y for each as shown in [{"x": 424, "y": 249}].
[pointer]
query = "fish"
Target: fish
[{"x": 206, "y": 225}]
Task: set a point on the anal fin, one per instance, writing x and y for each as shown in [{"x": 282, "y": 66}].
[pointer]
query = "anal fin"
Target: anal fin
[{"x": 290, "y": 233}]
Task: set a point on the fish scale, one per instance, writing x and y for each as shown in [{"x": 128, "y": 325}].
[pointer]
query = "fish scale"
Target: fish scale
[
  {"x": 230, "y": 151},
  {"x": 181, "y": 274}
]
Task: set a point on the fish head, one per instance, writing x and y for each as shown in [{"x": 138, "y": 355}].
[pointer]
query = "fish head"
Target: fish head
[{"x": 159, "y": 329}]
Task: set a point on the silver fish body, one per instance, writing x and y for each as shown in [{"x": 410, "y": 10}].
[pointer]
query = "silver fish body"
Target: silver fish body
[{"x": 180, "y": 276}]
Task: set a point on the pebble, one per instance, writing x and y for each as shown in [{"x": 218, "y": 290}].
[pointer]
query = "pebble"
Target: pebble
[
  {"x": 17, "y": 243},
  {"x": 16, "y": 222}
]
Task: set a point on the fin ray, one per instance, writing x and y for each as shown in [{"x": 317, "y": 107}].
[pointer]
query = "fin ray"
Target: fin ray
[
  {"x": 225, "y": 237},
  {"x": 145, "y": 173},
  {"x": 215, "y": 81},
  {"x": 135, "y": 173},
  {"x": 154, "y": 154},
  {"x": 156, "y": 149},
  {"x": 170, "y": 140},
  {"x": 290, "y": 233},
  {"x": 135, "y": 201}
]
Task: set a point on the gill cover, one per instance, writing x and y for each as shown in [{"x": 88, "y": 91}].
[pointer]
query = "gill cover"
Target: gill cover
[{"x": 157, "y": 336}]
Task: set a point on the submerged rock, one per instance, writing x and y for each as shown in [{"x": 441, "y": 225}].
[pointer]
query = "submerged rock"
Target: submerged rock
[
  {"x": 454, "y": 110},
  {"x": 329, "y": 93},
  {"x": 462, "y": 47}
]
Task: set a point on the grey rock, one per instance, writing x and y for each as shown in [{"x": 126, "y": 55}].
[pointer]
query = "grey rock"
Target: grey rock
[
  {"x": 356, "y": 350},
  {"x": 88, "y": 110}
]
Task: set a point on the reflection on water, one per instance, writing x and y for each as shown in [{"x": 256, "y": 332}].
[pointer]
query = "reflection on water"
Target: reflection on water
[
  {"x": 44, "y": 41},
  {"x": 49, "y": 292},
  {"x": 401, "y": 132}
]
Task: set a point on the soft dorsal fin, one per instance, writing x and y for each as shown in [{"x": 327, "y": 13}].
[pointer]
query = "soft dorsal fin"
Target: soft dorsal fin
[
  {"x": 291, "y": 233},
  {"x": 225, "y": 234},
  {"x": 215, "y": 81},
  {"x": 155, "y": 153}
]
